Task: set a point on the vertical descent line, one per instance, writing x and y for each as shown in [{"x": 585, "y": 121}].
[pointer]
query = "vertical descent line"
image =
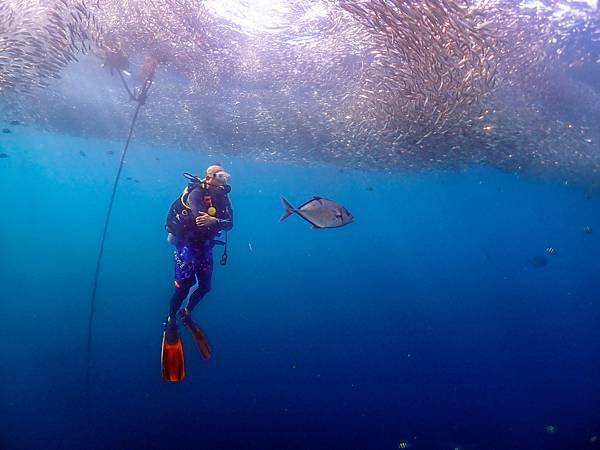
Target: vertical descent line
[{"x": 141, "y": 99}]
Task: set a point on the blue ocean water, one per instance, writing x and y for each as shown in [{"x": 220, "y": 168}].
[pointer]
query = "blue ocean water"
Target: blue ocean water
[{"x": 423, "y": 323}]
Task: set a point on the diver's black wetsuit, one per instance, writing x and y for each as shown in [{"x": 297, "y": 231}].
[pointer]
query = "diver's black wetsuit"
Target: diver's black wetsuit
[{"x": 193, "y": 247}]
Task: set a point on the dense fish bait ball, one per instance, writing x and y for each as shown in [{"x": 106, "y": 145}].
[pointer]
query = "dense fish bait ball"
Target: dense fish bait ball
[
  {"x": 39, "y": 38},
  {"x": 373, "y": 84}
]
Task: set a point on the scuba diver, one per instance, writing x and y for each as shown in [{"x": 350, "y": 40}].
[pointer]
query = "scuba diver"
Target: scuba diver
[
  {"x": 116, "y": 59},
  {"x": 194, "y": 221}
]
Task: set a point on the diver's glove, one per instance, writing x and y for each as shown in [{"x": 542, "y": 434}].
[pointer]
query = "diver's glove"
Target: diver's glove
[{"x": 205, "y": 220}]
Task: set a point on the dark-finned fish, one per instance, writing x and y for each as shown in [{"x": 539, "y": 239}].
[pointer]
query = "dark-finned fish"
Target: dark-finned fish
[
  {"x": 3, "y": 155},
  {"x": 6, "y": 130},
  {"x": 319, "y": 212}
]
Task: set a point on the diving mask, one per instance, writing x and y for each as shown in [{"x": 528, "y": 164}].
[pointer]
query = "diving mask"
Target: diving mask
[{"x": 222, "y": 176}]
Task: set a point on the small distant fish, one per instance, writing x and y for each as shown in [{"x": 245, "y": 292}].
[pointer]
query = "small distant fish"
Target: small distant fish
[
  {"x": 129, "y": 178},
  {"x": 587, "y": 229},
  {"x": 14, "y": 123},
  {"x": 369, "y": 188},
  {"x": 136, "y": 180},
  {"x": 6, "y": 130},
  {"x": 550, "y": 429},
  {"x": 250, "y": 247},
  {"x": 82, "y": 153},
  {"x": 551, "y": 251},
  {"x": 3, "y": 155},
  {"x": 319, "y": 212},
  {"x": 538, "y": 261},
  {"x": 402, "y": 445},
  {"x": 110, "y": 152}
]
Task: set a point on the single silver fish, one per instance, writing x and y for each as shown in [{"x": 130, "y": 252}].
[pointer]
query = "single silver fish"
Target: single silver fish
[{"x": 319, "y": 212}]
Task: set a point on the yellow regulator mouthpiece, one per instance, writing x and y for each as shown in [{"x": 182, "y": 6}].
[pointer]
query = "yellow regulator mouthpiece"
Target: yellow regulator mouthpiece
[{"x": 211, "y": 211}]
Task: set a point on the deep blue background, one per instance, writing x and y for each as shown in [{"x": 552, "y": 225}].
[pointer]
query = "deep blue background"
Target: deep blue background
[{"x": 423, "y": 322}]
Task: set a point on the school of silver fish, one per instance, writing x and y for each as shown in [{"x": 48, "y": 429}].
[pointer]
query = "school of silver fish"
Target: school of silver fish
[{"x": 364, "y": 83}]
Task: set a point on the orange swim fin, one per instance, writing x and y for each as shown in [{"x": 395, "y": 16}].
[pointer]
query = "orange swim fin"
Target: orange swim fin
[
  {"x": 199, "y": 338},
  {"x": 171, "y": 356}
]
